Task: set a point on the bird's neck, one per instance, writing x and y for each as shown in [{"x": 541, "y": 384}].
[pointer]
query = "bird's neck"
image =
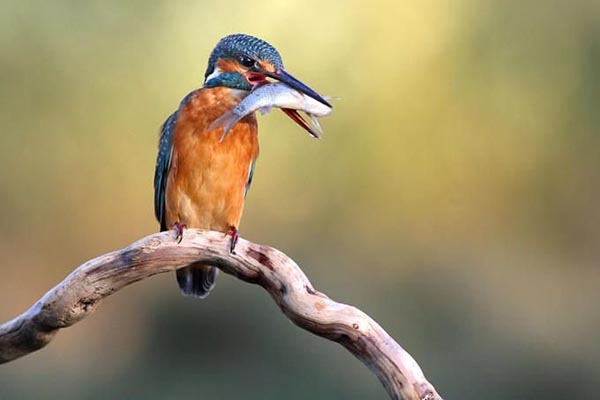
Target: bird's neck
[
  {"x": 205, "y": 105},
  {"x": 231, "y": 80}
]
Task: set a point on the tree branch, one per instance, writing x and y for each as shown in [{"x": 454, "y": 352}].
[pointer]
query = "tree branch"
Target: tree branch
[{"x": 79, "y": 293}]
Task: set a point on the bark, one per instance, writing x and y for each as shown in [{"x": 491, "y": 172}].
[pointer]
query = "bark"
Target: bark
[{"x": 79, "y": 293}]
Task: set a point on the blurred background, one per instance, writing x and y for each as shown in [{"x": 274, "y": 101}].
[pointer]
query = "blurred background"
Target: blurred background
[{"x": 454, "y": 198}]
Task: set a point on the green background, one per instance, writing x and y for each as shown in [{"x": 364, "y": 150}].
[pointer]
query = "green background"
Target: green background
[{"x": 454, "y": 198}]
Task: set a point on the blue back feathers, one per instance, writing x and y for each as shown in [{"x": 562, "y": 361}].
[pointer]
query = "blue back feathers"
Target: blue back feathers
[{"x": 163, "y": 162}]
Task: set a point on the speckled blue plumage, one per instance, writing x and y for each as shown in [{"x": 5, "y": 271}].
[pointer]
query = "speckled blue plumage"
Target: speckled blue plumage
[
  {"x": 163, "y": 161},
  {"x": 239, "y": 44},
  {"x": 162, "y": 168}
]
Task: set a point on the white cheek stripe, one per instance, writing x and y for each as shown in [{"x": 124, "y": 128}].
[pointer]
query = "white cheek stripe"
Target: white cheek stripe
[
  {"x": 216, "y": 72},
  {"x": 240, "y": 94}
]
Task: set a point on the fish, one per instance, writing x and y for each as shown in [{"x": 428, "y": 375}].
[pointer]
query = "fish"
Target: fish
[{"x": 279, "y": 95}]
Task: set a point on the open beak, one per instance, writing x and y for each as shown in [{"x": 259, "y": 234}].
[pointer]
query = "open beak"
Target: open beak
[
  {"x": 287, "y": 78},
  {"x": 297, "y": 118}
]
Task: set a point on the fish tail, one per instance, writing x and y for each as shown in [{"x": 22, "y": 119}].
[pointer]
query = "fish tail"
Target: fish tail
[
  {"x": 225, "y": 121},
  {"x": 315, "y": 123}
]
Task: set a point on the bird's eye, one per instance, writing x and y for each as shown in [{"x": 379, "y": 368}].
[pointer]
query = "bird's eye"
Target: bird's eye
[{"x": 247, "y": 61}]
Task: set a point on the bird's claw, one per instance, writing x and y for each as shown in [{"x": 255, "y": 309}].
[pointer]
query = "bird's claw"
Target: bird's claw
[
  {"x": 179, "y": 231},
  {"x": 235, "y": 235}
]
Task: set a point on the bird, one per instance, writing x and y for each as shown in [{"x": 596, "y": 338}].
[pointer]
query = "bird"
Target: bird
[{"x": 199, "y": 181}]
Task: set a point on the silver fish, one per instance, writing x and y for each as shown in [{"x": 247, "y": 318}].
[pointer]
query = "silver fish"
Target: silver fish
[{"x": 279, "y": 95}]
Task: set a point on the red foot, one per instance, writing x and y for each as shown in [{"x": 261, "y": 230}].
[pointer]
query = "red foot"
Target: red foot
[
  {"x": 179, "y": 231},
  {"x": 235, "y": 235}
]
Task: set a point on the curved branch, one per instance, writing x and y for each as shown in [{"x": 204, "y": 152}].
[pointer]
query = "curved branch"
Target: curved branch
[{"x": 79, "y": 293}]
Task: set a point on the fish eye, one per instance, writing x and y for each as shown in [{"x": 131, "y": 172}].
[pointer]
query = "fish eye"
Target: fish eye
[{"x": 247, "y": 62}]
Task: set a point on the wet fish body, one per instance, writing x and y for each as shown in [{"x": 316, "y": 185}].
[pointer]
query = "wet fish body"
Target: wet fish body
[{"x": 277, "y": 95}]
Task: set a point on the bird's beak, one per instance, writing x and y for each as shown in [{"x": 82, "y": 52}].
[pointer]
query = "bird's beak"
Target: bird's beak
[{"x": 287, "y": 78}]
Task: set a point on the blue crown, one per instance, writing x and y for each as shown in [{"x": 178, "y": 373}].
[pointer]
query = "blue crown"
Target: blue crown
[{"x": 236, "y": 45}]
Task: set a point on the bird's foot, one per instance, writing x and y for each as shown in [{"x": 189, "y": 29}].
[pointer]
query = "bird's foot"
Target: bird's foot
[
  {"x": 235, "y": 235},
  {"x": 179, "y": 231}
]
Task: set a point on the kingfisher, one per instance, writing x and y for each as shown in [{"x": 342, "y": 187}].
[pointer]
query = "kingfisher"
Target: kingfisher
[{"x": 201, "y": 181}]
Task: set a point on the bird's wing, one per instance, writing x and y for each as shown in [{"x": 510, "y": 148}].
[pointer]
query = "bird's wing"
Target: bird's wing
[
  {"x": 250, "y": 175},
  {"x": 161, "y": 173},
  {"x": 163, "y": 163}
]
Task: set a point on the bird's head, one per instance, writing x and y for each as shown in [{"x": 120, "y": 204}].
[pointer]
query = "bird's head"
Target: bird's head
[{"x": 242, "y": 61}]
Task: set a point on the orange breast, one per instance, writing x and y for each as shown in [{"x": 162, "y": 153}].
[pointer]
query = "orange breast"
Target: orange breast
[{"x": 207, "y": 178}]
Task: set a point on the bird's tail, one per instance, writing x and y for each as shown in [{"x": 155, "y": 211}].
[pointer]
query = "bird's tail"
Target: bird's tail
[{"x": 197, "y": 279}]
